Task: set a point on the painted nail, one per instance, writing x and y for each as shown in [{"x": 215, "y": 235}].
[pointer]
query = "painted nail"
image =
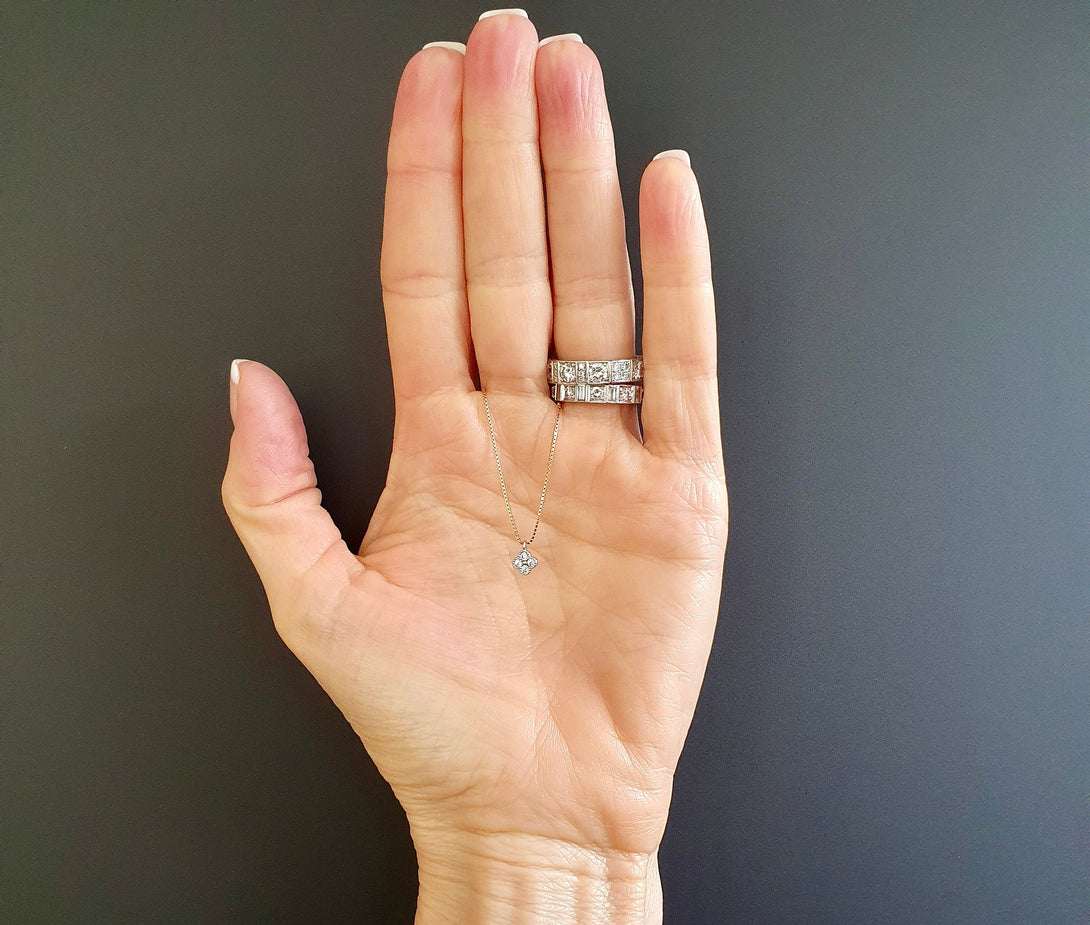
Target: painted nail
[
  {"x": 675, "y": 152},
  {"x": 566, "y": 37},
  {"x": 454, "y": 46},
  {"x": 489, "y": 13},
  {"x": 232, "y": 389}
]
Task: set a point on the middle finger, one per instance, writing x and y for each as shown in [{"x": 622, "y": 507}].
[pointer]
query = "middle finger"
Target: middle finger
[{"x": 506, "y": 250}]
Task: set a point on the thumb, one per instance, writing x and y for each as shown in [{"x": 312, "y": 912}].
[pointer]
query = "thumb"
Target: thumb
[{"x": 271, "y": 494}]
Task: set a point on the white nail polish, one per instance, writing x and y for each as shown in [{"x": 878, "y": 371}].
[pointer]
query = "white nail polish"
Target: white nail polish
[
  {"x": 234, "y": 370},
  {"x": 453, "y": 46},
  {"x": 675, "y": 152},
  {"x": 491, "y": 13},
  {"x": 566, "y": 37}
]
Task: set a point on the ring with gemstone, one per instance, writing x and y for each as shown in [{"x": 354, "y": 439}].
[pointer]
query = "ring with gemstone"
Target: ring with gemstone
[
  {"x": 596, "y": 372},
  {"x": 612, "y": 394}
]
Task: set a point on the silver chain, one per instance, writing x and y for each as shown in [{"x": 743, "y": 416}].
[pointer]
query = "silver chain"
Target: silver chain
[{"x": 503, "y": 484}]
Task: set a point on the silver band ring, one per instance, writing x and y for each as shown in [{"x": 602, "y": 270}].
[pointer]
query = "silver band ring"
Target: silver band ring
[
  {"x": 595, "y": 372},
  {"x": 613, "y": 394}
]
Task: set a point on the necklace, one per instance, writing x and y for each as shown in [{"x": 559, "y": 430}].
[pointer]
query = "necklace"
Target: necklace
[{"x": 524, "y": 561}]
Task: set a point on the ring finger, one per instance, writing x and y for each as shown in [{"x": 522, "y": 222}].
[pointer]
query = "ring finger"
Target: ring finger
[{"x": 592, "y": 282}]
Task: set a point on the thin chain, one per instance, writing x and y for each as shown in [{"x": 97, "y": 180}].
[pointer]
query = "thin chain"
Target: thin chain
[{"x": 503, "y": 484}]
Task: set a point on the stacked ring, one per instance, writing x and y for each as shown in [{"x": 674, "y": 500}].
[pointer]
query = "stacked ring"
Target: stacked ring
[
  {"x": 612, "y": 394},
  {"x": 600, "y": 382},
  {"x": 596, "y": 372}
]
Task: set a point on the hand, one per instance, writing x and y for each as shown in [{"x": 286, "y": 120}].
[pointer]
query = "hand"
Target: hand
[{"x": 530, "y": 725}]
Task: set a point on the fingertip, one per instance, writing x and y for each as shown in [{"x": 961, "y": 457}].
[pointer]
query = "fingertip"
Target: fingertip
[
  {"x": 671, "y": 208},
  {"x": 500, "y": 55},
  {"x": 428, "y": 105},
  {"x": 570, "y": 94},
  {"x": 269, "y": 452},
  {"x": 668, "y": 172},
  {"x": 431, "y": 77}
]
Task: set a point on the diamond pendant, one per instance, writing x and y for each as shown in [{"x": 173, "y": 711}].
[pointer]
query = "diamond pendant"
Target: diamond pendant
[{"x": 524, "y": 561}]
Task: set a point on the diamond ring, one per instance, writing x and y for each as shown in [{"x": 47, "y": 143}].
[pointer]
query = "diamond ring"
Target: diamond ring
[{"x": 595, "y": 372}]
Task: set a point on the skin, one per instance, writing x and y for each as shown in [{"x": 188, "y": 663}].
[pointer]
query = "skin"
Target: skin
[{"x": 529, "y": 725}]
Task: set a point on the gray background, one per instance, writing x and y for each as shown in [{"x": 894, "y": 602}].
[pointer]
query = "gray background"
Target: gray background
[{"x": 893, "y": 727}]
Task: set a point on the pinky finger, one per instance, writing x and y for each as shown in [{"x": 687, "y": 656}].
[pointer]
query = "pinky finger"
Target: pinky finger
[{"x": 681, "y": 397}]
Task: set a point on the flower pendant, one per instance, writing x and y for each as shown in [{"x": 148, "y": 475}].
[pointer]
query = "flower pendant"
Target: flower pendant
[{"x": 524, "y": 561}]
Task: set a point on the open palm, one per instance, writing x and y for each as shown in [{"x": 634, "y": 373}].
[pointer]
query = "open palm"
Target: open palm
[{"x": 550, "y": 706}]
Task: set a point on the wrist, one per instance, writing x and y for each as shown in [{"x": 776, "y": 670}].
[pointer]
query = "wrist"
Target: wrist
[{"x": 520, "y": 879}]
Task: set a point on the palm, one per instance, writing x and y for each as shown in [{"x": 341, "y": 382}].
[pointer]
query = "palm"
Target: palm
[
  {"x": 595, "y": 657},
  {"x": 555, "y": 703}
]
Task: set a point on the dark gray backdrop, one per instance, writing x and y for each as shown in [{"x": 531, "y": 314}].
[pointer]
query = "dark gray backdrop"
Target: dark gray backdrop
[{"x": 893, "y": 727}]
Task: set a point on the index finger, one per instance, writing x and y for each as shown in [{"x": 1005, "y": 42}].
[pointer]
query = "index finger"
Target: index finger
[{"x": 423, "y": 275}]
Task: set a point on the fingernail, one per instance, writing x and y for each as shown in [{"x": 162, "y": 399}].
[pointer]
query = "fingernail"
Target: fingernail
[
  {"x": 675, "y": 152},
  {"x": 232, "y": 397},
  {"x": 490, "y": 13},
  {"x": 234, "y": 370},
  {"x": 454, "y": 46},
  {"x": 566, "y": 37}
]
